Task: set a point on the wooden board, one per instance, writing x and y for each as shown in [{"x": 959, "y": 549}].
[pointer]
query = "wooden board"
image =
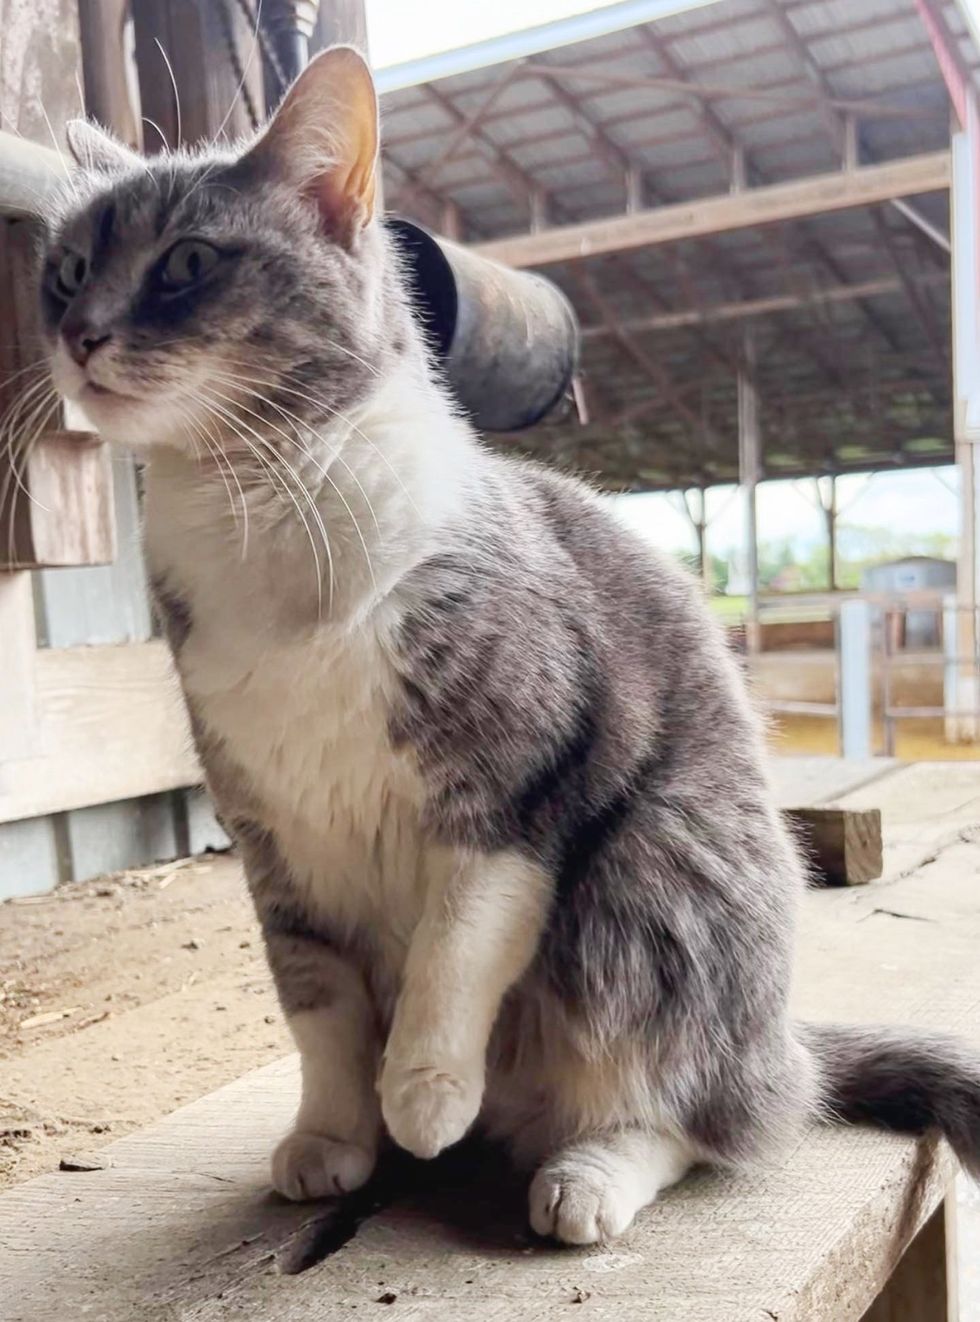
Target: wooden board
[
  {"x": 808, "y": 781},
  {"x": 842, "y": 845},
  {"x": 110, "y": 725},
  {"x": 180, "y": 1228},
  {"x": 925, "y": 807},
  {"x": 59, "y": 511}
]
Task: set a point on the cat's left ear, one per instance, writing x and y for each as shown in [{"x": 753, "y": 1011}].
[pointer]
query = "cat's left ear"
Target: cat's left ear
[
  {"x": 93, "y": 148},
  {"x": 324, "y": 139}
]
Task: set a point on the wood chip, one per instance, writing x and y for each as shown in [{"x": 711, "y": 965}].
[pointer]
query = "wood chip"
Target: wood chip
[
  {"x": 85, "y": 1161},
  {"x": 48, "y": 1017}
]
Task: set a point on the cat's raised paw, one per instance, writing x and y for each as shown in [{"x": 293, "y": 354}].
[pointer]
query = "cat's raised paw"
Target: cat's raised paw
[
  {"x": 308, "y": 1165},
  {"x": 427, "y": 1108},
  {"x": 579, "y": 1205}
]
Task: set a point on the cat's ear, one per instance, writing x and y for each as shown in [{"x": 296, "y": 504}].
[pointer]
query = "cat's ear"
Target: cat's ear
[
  {"x": 93, "y": 148},
  {"x": 324, "y": 139}
]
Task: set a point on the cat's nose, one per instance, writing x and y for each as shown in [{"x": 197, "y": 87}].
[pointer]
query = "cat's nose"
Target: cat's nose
[{"x": 81, "y": 341}]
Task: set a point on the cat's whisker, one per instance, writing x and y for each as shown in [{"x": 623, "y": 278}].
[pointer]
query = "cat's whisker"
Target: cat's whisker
[
  {"x": 235, "y": 423},
  {"x": 340, "y": 495},
  {"x": 245, "y": 72},
  {"x": 195, "y": 432},
  {"x": 61, "y": 155},
  {"x": 296, "y": 423},
  {"x": 173, "y": 83},
  {"x": 320, "y": 403},
  {"x": 38, "y": 420},
  {"x": 215, "y": 447},
  {"x": 18, "y": 418},
  {"x": 342, "y": 348}
]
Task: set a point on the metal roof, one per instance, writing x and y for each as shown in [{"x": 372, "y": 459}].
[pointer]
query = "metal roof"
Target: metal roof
[{"x": 682, "y": 108}]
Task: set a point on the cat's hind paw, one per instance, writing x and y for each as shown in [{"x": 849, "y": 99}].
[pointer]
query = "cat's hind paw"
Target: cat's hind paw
[
  {"x": 427, "y": 1109},
  {"x": 306, "y": 1165}
]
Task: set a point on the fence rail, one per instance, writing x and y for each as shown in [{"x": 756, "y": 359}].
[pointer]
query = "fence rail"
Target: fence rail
[{"x": 873, "y": 644}]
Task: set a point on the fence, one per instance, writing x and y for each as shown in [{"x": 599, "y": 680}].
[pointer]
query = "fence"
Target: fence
[{"x": 891, "y": 654}]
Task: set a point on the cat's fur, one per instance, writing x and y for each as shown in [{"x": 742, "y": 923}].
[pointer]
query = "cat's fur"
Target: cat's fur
[{"x": 496, "y": 782}]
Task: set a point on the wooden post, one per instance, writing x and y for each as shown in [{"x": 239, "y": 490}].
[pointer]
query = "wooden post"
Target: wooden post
[
  {"x": 749, "y": 464},
  {"x": 830, "y": 512},
  {"x": 102, "y": 26},
  {"x": 190, "y": 58},
  {"x": 921, "y": 1286},
  {"x": 965, "y": 202},
  {"x": 854, "y": 684},
  {"x": 56, "y": 503}
]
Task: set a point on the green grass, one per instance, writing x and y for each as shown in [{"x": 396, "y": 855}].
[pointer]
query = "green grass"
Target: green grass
[{"x": 730, "y": 608}]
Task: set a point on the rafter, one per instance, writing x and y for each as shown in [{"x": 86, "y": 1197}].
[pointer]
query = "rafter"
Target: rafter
[{"x": 715, "y": 215}]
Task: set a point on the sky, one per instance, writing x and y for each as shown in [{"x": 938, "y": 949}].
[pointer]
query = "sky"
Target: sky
[
  {"x": 395, "y": 33},
  {"x": 916, "y": 501}
]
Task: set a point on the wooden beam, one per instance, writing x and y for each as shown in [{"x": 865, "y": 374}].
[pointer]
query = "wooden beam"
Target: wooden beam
[
  {"x": 928, "y": 173},
  {"x": 843, "y": 844},
  {"x": 762, "y": 307},
  {"x": 648, "y": 363}
]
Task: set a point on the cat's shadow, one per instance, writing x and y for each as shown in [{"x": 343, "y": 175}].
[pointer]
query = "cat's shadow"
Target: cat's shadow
[{"x": 470, "y": 1197}]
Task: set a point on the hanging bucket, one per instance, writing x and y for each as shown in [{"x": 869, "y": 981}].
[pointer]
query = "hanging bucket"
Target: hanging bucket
[{"x": 507, "y": 341}]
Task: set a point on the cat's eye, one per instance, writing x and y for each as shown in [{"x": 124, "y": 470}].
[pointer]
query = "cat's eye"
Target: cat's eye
[
  {"x": 186, "y": 263},
  {"x": 70, "y": 275}
]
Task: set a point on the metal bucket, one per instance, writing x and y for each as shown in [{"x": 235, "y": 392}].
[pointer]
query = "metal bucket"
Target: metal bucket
[{"x": 507, "y": 340}]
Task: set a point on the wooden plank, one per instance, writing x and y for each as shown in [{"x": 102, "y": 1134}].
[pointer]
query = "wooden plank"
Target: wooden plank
[
  {"x": 919, "y": 1290},
  {"x": 179, "y": 1225},
  {"x": 60, "y": 510},
  {"x": 111, "y": 725},
  {"x": 871, "y": 184},
  {"x": 101, "y": 604},
  {"x": 17, "y": 647},
  {"x": 925, "y": 808},
  {"x": 29, "y": 863},
  {"x": 842, "y": 844},
  {"x": 131, "y": 833},
  {"x": 55, "y": 485},
  {"x": 809, "y": 781}
]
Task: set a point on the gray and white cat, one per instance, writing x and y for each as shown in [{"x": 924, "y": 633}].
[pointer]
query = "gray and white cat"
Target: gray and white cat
[{"x": 497, "y": 786}]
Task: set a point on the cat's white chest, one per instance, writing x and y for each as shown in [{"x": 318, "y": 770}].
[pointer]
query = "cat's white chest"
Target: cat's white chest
[{"x": 307, "y": 721}]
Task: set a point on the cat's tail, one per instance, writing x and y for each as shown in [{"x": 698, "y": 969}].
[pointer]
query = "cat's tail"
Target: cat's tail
[{"x": 902, "y": 1080}]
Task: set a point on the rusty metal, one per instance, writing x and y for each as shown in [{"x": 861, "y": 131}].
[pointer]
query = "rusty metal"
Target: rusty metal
[{"x": 507, "y": 340}]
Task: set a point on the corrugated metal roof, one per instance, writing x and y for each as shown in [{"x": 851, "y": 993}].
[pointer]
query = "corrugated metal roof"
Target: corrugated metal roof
[{"x": 776, "y": 79}]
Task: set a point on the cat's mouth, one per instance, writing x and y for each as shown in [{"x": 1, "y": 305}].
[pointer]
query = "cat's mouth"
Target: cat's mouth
[{"x": 94, "y": 390}]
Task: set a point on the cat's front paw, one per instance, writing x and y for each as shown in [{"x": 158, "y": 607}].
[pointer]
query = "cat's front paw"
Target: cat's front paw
[
  {"x": 428, "y": 1108},
  {"x": 579, "y": 1204},
  {"x": 306, "y": 1165}
]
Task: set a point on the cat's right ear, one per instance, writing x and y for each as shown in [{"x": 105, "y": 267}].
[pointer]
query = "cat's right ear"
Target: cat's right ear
[
  {"x": 93, "y": 148},
  {"x": 323, "y": 140}
]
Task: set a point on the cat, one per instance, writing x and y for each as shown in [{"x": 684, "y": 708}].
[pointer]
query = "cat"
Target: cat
[{"x": 499, "y": 791}]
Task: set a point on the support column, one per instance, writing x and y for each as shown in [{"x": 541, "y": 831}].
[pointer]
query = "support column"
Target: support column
[
  {"x": 749, "y": 466},
  {"x": 830, "y": 514},
  {"x": 963, "y": 724}
]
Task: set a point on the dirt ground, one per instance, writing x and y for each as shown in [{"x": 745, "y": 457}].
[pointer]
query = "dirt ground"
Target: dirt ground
[{"x": 121, "y": 999}]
